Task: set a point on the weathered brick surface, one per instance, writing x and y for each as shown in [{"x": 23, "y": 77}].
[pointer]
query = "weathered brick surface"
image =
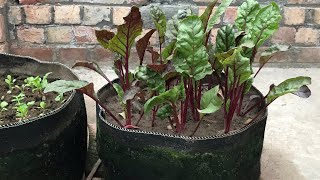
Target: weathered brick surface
[
  {"x": 111, "y": 2},
  {"x": 230, "y": 15},
  {"x": 102, "y": 55},
  {"x": 60, "y": 34},
  {"x": 307, "y": 36},
  {"x": 14, "y": 15},
  {"x": 308, "y": 54},
  {"x": 138, "y": 2},
  {"x": 95, "y": 14},
  {"x": 2, "y": 2},
  {"x": 4, "y": 47},
  {"x": 294, "y": 15},
  {"x": 84, "y": 34},
  {"x": 213, "y": 35},
  {"x": 71, "y": 55},
  {"x": 119, "y": 13},
  {"x": 30, "y": 34},
  {"x": 41, "y": 53},
  {"x": 3, "y": 32},
  {"x": 285, "y": 35},
  {"x": 68, "y": 14},
  {"x": 303, "y": 2},
  {"x": 38, "y": 14},
  {"x": 316, "y": 17}
]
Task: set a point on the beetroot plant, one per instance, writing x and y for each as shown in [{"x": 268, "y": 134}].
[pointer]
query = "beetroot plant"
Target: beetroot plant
[{"x": 188, "y": 75}]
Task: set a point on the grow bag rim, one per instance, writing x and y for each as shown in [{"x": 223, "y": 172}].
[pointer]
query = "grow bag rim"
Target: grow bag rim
[
  {"x": 32, "y": 119},
  {"x": 186, "y": 138}
]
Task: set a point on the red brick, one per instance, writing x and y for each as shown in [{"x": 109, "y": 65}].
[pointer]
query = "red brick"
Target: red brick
[
  {"x": 103, "y": 55},
  {"x": 2, "y": 29},
  {"x": 119, "y": 13},
  {"x": 307, "y": 36},
  {"x": 38, "y": 14},
  {"x": 85, "y": 34},
  {"x": 294, "y": 15},
  {"x": 67, "y": 14},
  {"x": 230, "y": 15},
  {"x": 308, "y": 54},
  {"x": 60, "y": 34},
  {"x": 285, "y": 35},
  {"x": 27, "y": 2},
  {"x": 30, "y": 34},
  {"x": 71, "y": 55},
  {"x": 44, "y": 54}
]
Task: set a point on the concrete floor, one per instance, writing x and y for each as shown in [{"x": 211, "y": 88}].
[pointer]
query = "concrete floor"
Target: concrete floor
[{"x": 292, "y": 138}]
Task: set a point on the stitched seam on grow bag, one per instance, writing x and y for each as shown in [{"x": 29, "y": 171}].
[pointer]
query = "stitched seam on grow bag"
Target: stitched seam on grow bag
[
  {"x": 182, "y": 137},
  {"x": 29, "y": 120}
]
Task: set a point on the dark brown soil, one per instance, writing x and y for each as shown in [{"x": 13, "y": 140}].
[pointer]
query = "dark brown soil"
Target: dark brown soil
[
  {"x": 9, "y": 116},
  {"x": 212, "y": 124}
]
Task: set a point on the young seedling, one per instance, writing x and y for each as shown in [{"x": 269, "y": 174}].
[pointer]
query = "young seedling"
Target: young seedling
[
  {"x": 3, "y": 106},
  {"x": 59, "y": 98},
  {"x": 18, "y": 98},
  {"x": 10, "y": 82},
  {"x": 43, "y": 105},
  {"x": 23, "y": 109},
  {"x": 37, "y": 83}
]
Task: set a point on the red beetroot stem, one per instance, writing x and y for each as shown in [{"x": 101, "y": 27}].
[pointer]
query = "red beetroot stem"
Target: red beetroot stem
[
  {"x": 199, "y": 100},
  {"x": 141, "y": 115},
  {"x": 241, "y": 98},
  {"x": 186, "y": 102},
  {"x": 192, "y": 99},
  {"x": 105, "y": 108}
]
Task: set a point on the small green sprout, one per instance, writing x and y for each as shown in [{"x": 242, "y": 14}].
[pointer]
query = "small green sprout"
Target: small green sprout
[
  {"x": 43, "y": 105},
  {"x": 18, "y": 99},
  {"x": 23, "y": 109},
  {"x": 59, "y": 98},
  {"x": 3, "y": 106},
  {"x": 10, "y": 81},
  {"x": 37, "y": 83}
]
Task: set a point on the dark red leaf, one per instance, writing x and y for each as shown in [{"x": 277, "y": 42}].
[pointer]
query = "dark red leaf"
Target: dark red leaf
[
  {"x": 104, "y": 35},
  {"x": 88, "y": 90},
  {"x": 155, "y": 55},
  {"x": 142, "y": 45}
]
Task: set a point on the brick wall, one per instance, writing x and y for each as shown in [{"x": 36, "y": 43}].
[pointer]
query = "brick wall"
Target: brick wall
[{"x": 63, "y": 30}]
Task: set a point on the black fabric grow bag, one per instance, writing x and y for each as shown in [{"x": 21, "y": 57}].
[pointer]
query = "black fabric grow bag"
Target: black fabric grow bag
[
  {"x": 49, "y": 147},
  {"x": 140, "y": 155}
]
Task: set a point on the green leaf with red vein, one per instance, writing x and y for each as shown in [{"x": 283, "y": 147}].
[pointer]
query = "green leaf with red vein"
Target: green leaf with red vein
[
  {"x": 206, "y": 15},
  {"x": 122, "y": 42}
]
